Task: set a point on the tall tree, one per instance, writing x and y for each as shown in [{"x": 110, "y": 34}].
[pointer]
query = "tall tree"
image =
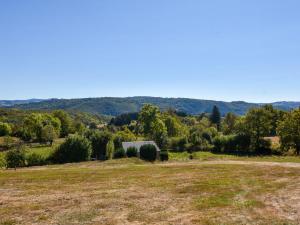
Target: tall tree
[
  {"x": 66, "y": 122},
  {"x": 215, "y": 116},
  {"x": 229, "y": 122},
  {"x": 275, "y": 116},
  {"x": 258, "y": 125},
  {"x": 147, "y": 117},
  {"x": 289, "y": 131}
]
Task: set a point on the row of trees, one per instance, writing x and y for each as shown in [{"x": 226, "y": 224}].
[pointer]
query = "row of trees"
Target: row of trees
[
  {"x": 236, "y": 134},
  {"x": 170, "y": 129},
  {"x": 44, "y": 127}
]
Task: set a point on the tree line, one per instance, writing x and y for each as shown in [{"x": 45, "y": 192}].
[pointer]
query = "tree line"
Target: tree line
[{"x": 171, "y": 130}]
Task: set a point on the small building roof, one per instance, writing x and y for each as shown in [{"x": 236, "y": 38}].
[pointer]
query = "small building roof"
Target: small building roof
[{"x": 138, "y": 145}]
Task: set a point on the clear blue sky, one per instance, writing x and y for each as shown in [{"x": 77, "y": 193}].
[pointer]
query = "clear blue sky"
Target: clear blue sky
[{"x": 224, "y": 50}]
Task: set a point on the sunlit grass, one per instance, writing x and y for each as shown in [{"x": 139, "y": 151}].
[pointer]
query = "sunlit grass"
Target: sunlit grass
[
  {"x": 184, "y": 156},
  {"x": 132, "y": 191}
]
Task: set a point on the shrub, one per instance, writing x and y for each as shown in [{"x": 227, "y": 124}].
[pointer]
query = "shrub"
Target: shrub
[
  {"x": 232, "y": 143},
  {"x": 264, "y": 147},
  {"x": 243, "y": 142},
  {"x": 5, "y": 129},
  {"x": 178, "y": 144},
  {"x": 15, "y": 158},
  {"x": 75, "y": 149},
  {"x": 148, "y": 152},
  {"x": 225, "y": 143},
  {"x": 35, "y": 159},
  {"x": 164, "y": 156},
  {"x": 110, "y": 148},
  {"x": 131, "y": 152},
  {"x": 119, "y": 153}
]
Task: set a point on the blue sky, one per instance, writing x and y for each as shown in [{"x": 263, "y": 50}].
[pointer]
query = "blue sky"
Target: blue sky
[{"x": 223, "y": 50}]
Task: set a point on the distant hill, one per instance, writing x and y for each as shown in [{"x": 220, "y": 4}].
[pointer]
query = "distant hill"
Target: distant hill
[
  {"x": 7, "y": 103},
  {"x": 116, "y": 106}
]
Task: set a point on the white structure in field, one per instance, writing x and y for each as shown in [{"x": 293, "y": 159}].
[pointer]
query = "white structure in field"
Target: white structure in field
[{"x": 139, "y": 144}]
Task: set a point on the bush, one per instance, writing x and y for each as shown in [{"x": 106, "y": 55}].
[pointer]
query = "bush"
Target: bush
[
  {"x": 35, "y": 159},
  {"x": 178, "y": 144},
  {"x": 232, "y": 143},
  {"x": 15, "y": 158},
  {"x": 164, "y": 156},
  {"x": 225, "y": 144},
  {"x": 119, "y": 153},
  {"x": 5, "y": 129},
  {"x": 131, "y": 152},
  {"x": 75, "y": 149},
  {"x": 148, "y": 152},
  {"x": 264, "y": 147}
]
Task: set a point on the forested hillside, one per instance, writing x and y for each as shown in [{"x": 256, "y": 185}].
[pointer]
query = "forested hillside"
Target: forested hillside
[{"x": 116, "y": 106}]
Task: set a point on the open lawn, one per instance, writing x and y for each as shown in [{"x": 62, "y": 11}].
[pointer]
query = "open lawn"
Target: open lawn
[
  {"x": 129, "y": 191},
  {"x": 203, "y": 156}
]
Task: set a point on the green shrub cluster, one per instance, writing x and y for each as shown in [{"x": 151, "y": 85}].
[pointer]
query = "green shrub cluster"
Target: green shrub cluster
[
  {"x": 239, "y": 144},
  {"x": 75, "y": 149},
  {"x": 35, "y": 159},
  {"x": 119, "y": 153},
  {"x": 15, "y": 158},
  {"x": 131, "y": 152}
]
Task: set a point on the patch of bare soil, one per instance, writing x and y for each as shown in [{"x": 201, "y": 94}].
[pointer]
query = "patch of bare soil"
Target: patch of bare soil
[{"x": 286, "y": 203}]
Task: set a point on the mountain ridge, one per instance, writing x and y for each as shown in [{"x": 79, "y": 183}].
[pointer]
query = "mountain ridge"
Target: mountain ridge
[{"x": 117, "y": 105}]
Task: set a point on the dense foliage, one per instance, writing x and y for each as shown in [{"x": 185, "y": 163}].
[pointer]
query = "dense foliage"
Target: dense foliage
[
  {"x": 148, "y": 152},
  {"x": 75, "y": 149},
  {"x": 119, "y": 153},
  {"x": 86, "y": 137},
  {"x": 5, "y": 129},
  {"x": 15, "y": 158},
  {"x": 131, "y": 152}
]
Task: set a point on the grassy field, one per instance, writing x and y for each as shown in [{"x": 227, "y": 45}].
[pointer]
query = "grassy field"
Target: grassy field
[
  {"x": 129, "y": 191},
  {"x": 203, "y": 156},
  {"x": 42, "y": 150}
]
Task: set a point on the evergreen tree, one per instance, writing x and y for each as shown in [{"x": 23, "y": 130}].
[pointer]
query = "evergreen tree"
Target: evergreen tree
[{"x": 215, "y": 117}]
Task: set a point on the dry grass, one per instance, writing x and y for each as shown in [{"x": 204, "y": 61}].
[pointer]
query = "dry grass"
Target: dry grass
[{"x": 133, "y": 192}]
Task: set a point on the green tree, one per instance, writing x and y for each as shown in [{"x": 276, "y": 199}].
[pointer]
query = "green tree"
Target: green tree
[
  {"x": 110, "y": 148},
  {"x": 173, "y": 126},
  {"x": 48, "y": 134},
  {"x": 66, "y": 122},
  {"x": 229, "y": 122},
  {"x": 215, "y": 116},
  {"x": 5, "y": 129},
  {"x": 159, "y": 133},
  {"x": 147, "y": 117},
  {"x": 79, "y": 127},
  {"x": 153, "y": 126},
  {"x": 257, "y": 124},
  {"x": 275, "y": 117},
  {"x": 289, "y": 131},
  {"x": 99, "y": 140},
  {"x": 34, "y": 123},
  {"x": 123, "y": 136}
]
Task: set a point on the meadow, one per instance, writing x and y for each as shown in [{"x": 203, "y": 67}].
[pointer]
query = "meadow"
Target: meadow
[{"x": 130, "y": 191}]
